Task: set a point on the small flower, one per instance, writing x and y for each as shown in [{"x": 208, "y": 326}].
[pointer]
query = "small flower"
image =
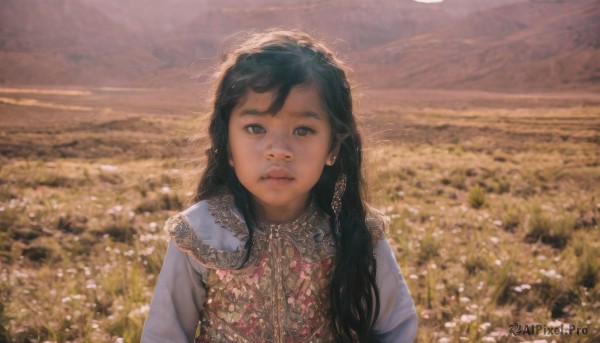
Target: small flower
[
  {"x": 464, "y": 299},
  {"x": 494, "y": 239},
  {"x": 485, "y": 326},
  {"x": 467, "y": 318},
  {"x": 165, "y": 190},
  {"x": 449, "y": 324},
  {"x": 90, "y": 284},
  {"x": 108, "y": 168},
  {"x": 65, "y": 300},
  {"x": 554, "y": 324}
]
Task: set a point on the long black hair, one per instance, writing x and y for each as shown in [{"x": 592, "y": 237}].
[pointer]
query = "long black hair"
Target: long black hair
[{"x": 277, "y": 61}]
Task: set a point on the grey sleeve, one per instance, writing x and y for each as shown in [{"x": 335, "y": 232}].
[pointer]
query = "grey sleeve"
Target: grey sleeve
[
  {"x": 397, "y": 321},
  {"x": 178, "y": 298}
]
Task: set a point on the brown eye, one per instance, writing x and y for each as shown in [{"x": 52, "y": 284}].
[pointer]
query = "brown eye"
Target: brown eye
[
  {"x": 303, "y": 131},
  {"x": 254, "y": 129}
]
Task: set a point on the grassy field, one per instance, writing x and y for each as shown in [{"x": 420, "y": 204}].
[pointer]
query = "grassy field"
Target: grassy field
[{"x": 494, "y": 202}]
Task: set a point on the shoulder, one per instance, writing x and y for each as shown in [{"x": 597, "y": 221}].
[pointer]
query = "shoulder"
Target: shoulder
[
  {"x": 377, "y": 223},
  {"x": 209, "y": 231}
]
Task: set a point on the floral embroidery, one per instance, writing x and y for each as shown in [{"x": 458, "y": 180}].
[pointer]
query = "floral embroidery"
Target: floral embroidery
[{"x": 281, "y": 293}]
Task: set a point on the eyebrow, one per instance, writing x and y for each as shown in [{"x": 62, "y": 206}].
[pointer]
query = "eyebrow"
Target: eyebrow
[{"x": 304, "y": 114}]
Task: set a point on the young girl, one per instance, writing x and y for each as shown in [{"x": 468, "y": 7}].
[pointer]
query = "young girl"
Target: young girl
[{"x": 280, "y": 246}]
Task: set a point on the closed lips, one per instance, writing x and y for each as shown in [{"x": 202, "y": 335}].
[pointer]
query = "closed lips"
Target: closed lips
[{"x": 278, "y": 174}]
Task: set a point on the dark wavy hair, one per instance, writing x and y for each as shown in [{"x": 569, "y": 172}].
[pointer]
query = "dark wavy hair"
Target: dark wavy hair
[{"x": 277, "y": 61}]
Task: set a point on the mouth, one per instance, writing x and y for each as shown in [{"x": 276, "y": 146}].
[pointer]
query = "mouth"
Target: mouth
[{"x": 278, "y": 176}]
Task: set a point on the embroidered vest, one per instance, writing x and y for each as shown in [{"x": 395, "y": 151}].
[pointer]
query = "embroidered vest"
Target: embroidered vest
[{"x": 281, "y": 293}]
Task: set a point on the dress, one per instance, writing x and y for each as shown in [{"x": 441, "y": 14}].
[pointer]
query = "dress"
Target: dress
[{"x": 279, "y": 295}]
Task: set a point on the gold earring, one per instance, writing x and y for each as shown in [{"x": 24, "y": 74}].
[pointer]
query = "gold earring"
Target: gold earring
[{"x": 332, "y": 161}]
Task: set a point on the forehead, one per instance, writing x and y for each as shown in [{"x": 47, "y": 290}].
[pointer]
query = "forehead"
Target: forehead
[{"x": 301, "y": 100}]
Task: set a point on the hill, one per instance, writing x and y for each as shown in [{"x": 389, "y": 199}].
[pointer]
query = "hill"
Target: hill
[
  {"x": 523, "y": 46},
  {"x": 500, "y": 45},
  {"x": 67, "y": 42}
]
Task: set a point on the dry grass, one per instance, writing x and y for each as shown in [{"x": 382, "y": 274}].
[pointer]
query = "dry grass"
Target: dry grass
[{"x": 494, "y": 213}]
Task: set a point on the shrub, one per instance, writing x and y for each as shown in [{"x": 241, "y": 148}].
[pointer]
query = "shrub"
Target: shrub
[
  {"x": 505, "y": 283},
  {"x": 474, "y": 263},
  {"x": 587, "y": 270},
  {"x": 429, "y": 248},
  {"x": 511, "y": 219},
  {"x": 554, "y": 232},
  {"x": 42, "y": 249},
  {"x": 476, "y": 197}
]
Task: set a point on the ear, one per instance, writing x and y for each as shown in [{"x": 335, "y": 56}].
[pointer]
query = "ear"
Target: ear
[
  {"x": 332, "y": 156},
  {"x": 229, "y": 158}
]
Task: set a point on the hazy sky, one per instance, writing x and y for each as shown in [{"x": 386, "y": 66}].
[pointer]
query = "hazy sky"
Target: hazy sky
[{"x": 429, "y": 1}]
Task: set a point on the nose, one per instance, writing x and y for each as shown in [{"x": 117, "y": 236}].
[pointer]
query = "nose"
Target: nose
[{"x": 279, "y": 149}]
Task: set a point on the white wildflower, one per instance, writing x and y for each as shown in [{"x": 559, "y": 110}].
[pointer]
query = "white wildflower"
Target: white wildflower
[
  {"x": 485, "y": 326},
  {"x": 90, "y": 284},
  {"x": 467, "y": 318},
  {"x": 108, "y": 168}
]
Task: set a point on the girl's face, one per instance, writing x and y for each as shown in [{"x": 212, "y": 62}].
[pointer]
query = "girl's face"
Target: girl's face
[{"x": 279, "y": 158}]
